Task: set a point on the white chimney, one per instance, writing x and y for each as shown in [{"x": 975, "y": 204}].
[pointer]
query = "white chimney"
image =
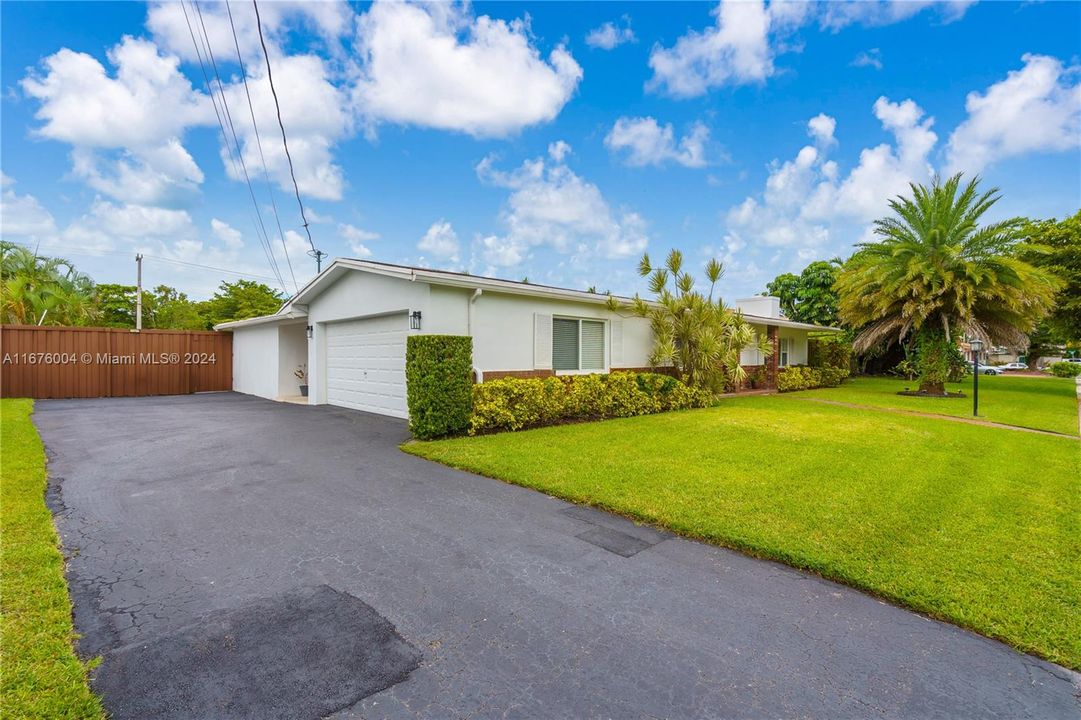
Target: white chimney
[{"x": 761, "y": 305}]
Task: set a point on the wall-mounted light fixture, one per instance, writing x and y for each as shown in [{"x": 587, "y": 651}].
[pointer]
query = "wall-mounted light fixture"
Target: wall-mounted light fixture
[
  {"x": 308, "y": 332},
  {"x": 414, "y": 320}
]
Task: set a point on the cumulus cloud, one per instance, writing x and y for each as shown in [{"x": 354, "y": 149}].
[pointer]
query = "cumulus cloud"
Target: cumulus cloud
[
  {"x": 608, "y": 36},
  {"x": 225, "y": 232},
  {"x": 1036, "y": 108},
  {"x": 357, "y": 239},
  {"x": 440, "y": 240},
  {"x": 807, "y": 200},
  {"x": 839, "y": 15},
  {"x": 125, "y": 129},
  {"x": 22, "y": 215},
  {"x": 735, "y": 50},
  {"x": 549, "y": 205},
  {"x": 559, "y": 150},
  {"x": 438, "y": 66},
  {"x": 646, "y": 142}
]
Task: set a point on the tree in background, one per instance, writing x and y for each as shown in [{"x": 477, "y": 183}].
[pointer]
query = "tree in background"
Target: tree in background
[
  {"x": 697, "y": 334},
  {"x": 39, "y": 290},
  {"x": 938, "y": 275},
  {"x": 810, "y": 296},
  {"x": 240, "y": 300},
  {"x": 164, "y": 308},
  {"x": 1056, "y": 246}
]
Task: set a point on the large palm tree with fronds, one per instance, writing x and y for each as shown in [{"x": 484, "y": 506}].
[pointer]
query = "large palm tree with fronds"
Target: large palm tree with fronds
[
  {"x": 936, "y": 274},
  {"x": 697, "y": 334}
]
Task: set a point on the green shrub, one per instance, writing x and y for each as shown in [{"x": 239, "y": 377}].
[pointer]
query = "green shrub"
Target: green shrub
[
  {"x": 1065, "y": 369},
  {"x": 832, "y": 351},
  {"x": 439, "y": 384},
  {"x": 801, "y": 377},
  {"x": 514, "y": 404}
]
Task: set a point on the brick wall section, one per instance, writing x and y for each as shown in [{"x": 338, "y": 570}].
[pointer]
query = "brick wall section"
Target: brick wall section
[
  {"x": 750, "y": 370},
  {"x": 771, "y": 362}
]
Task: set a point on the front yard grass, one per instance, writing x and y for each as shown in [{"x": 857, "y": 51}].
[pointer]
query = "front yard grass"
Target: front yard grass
[
  {"x": 1034, "y": 402},
  {"x": 40, "y": 676},
  {"x": 977, "y": 525}
]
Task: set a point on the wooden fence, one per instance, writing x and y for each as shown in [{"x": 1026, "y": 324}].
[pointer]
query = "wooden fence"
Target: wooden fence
[{"x": 80, "y": 362}]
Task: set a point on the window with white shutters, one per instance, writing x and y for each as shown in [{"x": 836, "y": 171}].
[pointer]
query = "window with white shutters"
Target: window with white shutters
[{"x": 577, "y": 345}]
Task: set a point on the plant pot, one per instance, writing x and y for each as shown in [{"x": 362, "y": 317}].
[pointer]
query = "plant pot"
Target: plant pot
[{"x": 303, "y": 391}]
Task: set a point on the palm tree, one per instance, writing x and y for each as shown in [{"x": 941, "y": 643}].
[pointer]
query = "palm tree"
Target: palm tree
[
  {"x": 699, "y": 336},
  {"x": 937, "y": 275},
  {"x": 38, "y": 290}
]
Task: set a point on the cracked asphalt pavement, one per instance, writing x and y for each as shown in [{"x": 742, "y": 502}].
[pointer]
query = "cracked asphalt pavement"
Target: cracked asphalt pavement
[{"x": 173, "y": 510}]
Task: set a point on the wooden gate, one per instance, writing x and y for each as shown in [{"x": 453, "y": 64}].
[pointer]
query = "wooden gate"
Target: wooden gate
[{"x": 80, "y": 362}]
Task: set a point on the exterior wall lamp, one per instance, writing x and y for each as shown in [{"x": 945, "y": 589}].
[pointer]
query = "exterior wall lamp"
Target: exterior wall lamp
[
  {"x": 414, "y": 320},
  {"x": 308, "y": 332}
]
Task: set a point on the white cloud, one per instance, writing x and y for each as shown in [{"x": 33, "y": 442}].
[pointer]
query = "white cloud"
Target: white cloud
[
  {"x": 559, "y": 150},
  {"x": 807, "y": 202},
  {"x": 648, "y": 143},
  {"x": 229, "y": 235},
  {"x": 838, "y": 15},
  {"x": 438, "y": 66},
  {"x": 23, "y": 215},
  {"x": 734, "y": 51},
  {"x": 551, "y": 206},
  {"x": 357, "y": 238},
  {"x": 1036, "y": 108},
  {"x": 125, "y": 130},
  {"x": 440, "y": 240},
  {"x": 868, "y": 58},
  {"x": 608, "y": 37},
  {"x": 107, "y": 225}
]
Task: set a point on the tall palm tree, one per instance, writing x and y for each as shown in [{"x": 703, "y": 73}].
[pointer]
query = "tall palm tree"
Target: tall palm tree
[{"x": 936, "y": 275}]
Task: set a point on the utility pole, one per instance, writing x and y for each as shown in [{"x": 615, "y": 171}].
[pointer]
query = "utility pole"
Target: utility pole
[
  {"x": 318, "y": 255},
  {"x": 138, "y": 292}
]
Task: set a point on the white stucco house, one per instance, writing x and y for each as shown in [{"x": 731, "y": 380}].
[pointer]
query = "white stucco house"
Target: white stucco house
[{"x": 349, "y": 326}]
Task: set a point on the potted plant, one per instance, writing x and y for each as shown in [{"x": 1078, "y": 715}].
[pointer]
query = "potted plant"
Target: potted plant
[{"x": 302, "y": 375}]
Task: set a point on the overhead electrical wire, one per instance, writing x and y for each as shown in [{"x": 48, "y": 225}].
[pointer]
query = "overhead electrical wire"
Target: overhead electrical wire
[
  {"x": 270, "y": 77},
  {"x": 258, "y": 139},
  {"x": 236, "y": 140},
  {"x": 260, "y": 228}
]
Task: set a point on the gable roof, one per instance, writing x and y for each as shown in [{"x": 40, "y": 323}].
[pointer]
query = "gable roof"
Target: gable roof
[{"x": 296, "y": 306}]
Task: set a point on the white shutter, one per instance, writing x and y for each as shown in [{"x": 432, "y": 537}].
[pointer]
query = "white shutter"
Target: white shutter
[
  {"x": 542, "y": 341},
  {"x": 592, "y": 345},
  {"x": 615, "y": 330}
]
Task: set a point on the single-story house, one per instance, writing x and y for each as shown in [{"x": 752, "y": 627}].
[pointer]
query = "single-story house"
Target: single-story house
[{"x": 348, "y": 328}]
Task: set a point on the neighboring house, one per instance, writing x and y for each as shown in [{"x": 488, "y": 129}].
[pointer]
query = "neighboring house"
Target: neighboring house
[{"x": 349, "y": 326}]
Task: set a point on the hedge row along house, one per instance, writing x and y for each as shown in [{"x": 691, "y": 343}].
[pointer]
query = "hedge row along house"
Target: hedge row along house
[{"x": 348, "y": 328}]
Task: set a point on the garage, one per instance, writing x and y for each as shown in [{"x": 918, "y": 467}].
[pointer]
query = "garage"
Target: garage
[{"x": 366, "y": 364}]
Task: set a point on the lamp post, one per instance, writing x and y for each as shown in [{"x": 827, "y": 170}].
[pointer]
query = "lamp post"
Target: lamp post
[{"x": 976, "y": 346}]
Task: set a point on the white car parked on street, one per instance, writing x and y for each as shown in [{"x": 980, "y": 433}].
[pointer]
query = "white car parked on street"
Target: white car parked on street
[{"x": 1014, "y": 366}]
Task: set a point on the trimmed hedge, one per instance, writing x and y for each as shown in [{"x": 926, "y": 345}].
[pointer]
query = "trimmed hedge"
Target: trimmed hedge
[
  {"x": 831, "y": 351},
  {"x": 1065, "y": 369},
  {"x": 801, "y": 377},
  {"x": 515, "y": 403},
  {"x": 439, "y": 384}
]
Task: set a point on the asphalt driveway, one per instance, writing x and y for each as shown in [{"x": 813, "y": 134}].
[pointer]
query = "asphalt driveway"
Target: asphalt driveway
[{"x": 235, "y": 557}]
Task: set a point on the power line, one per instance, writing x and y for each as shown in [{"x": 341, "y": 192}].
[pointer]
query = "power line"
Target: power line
[
  {"x": 70, "y": 250},
  {"x": 263, "y": 240},
  {"x": 259, "y": 140},
  {"x": 236, "y": 141},
  {"x": 317, "y": 254}
]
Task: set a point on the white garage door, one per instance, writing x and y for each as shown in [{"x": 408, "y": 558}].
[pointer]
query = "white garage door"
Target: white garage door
[{"x": 366, "y": 364}]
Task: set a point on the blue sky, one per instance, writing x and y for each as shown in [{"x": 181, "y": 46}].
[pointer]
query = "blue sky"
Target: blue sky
[{"x": 555, "y": 141}]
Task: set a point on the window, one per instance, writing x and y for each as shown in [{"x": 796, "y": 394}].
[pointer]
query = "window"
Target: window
[
  {"x": 786, "y": 344},
  {"x": 577, "y": 345}
]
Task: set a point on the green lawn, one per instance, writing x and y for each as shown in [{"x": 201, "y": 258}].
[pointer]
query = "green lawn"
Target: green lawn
[
  {"x": 1034, "y": 402},
  {"x": 40, "y": 676},
  {"x": 977, "y": 525}
]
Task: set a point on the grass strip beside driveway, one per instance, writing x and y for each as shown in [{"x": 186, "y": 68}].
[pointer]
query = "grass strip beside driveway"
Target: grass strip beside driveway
[
  {"x": 971, "y": 524},
  {"x": 1034, "y": 402},
  {"x": 41, "y": 676}
]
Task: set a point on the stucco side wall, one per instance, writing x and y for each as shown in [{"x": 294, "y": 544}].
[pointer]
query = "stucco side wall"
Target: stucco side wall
[
  {"x": 255, "y": 360},
  {"x": 503, "y": 329},
  {"x": 292, "y": 353}
]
